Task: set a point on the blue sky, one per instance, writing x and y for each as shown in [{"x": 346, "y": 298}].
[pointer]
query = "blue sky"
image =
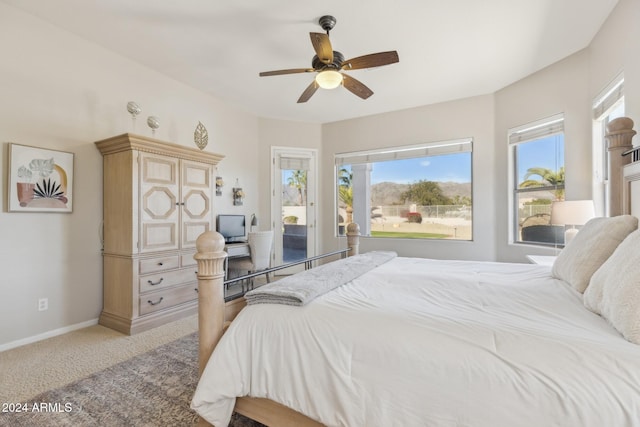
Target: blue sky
[
  {"x": 450, "y": 167},
  {"x": 547, "y": 153}
]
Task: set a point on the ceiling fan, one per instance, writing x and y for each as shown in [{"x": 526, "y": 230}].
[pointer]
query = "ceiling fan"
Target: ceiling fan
[{"x": 329, "y": 65}]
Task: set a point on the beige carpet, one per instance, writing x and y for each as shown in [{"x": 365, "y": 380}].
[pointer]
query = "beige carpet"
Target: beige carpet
[
  {"x": 153, "y": 389},
  {"x": 34, "y": 368}
]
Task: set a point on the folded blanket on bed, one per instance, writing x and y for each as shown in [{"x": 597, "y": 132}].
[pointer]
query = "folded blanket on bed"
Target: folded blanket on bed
[{"x": 301, "y": 288}]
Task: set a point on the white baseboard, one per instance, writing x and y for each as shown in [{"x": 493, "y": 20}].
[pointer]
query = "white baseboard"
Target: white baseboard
[{"x": 49, "y": 334}]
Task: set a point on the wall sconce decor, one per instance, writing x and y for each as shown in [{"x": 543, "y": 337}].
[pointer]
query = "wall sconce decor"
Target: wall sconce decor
[
  {"x": 219, "y": 185},
  {"x": 201, "y": 136},
  {"x": 238, "y": 195}
]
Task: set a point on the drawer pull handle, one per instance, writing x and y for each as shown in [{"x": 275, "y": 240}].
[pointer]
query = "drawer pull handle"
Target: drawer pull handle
[
  {"x": 160, "y": 263},
  {"x": 156, "y": 283},
  {"x": 156, "y": 303},
  {"x": 196, "y": 289}
]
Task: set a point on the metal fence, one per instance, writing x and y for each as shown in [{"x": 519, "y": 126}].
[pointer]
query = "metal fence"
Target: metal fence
[
  {"x": 526, "y": 211},
  {"x": 432, "y": 211}
]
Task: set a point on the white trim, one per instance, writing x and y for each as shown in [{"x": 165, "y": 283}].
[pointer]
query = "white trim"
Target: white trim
[
  {"x": 608, "y": 97},
  {"x": 537, "y": 130},
  {"x": 463, "y": 145},
  {"x": 49, "y": 334}
]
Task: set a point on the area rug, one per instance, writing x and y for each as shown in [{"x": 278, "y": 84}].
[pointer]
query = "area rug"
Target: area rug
[{"x": 149, "y": 390}]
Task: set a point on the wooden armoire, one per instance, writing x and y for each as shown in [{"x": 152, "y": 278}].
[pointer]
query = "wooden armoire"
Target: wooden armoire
[{"x": 157, "y": 200}]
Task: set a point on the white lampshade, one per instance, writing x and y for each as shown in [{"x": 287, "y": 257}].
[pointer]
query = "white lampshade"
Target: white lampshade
[
  {"x": 329, "y": 79},
  {"x": 571, "y": 212}
]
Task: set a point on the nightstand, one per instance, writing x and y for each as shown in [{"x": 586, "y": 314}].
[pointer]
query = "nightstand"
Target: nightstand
[{"x": 542, "y": 259}]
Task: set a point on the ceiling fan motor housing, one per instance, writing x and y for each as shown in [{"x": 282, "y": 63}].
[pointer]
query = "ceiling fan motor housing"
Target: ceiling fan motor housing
[{"x": 338, "y": 59}]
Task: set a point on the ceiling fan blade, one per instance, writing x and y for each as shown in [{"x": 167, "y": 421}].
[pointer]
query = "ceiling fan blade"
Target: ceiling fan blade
[
  {"x": 356, "y": 87},
  {"x": 289, "y": 71},
  {"x": 322, "y": 46},
  {"x": 371, "y": 60},
  {"x": 308, "y": 92}
]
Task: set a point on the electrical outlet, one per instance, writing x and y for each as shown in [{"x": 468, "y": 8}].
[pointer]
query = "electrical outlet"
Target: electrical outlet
[{"x": 43, "y": 304}]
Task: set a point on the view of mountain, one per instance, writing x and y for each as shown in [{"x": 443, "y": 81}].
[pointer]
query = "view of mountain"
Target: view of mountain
[{"x": 387, "y": 193}]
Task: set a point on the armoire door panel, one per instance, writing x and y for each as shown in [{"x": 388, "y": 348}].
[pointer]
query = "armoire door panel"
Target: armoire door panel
[
  {"x": 196, "y": 174},
  {"x": 191, "y": 231},
  {"x": 196, "y": 204},
  {"x": 159, "y": 170},
  {"x": 159, "y": 236},
  {"x": 159, "y": 203}
]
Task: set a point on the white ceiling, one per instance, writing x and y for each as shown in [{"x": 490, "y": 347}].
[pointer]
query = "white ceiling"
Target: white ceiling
[{"x": 448, "y": 49}]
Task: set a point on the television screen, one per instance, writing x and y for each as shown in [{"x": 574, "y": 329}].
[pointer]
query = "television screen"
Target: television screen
[{"x": 231, "y": 227}]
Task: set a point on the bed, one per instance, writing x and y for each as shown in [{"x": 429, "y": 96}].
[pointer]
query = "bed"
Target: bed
[{"x": 421, "y": 342}]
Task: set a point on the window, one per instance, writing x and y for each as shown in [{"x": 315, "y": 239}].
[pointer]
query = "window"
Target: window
[
  {"x": 419, "y": 191},
  {"x": 538, "y": 176},
  {"x": 608, "y": 105}
]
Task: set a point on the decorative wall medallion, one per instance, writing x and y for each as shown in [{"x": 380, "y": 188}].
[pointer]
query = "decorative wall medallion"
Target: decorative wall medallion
[
  {"x": 201, "y": 136},
  {"x": 153, "y": 123},
  {"x": 133, "y": 109}
]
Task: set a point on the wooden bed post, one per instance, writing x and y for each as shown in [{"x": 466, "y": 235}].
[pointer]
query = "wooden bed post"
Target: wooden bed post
[
  {"x": 619, "y": 134},
  {"x": 210, "y": 256},
  {"x": 353, "y": 238}
]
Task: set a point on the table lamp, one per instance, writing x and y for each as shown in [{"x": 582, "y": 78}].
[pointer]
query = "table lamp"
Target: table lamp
[{"x": 571, "y": 212}]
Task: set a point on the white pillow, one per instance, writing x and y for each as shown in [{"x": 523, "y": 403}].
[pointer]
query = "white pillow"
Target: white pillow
[
  {"x": 614, "y": 289},
  {"x": 590, "y": 248}
]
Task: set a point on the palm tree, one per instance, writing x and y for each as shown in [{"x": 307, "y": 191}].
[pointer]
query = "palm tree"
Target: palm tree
[
  {"x": 548, "y": 178},
  {"x": 298, "y": 180},
  {"x": 345, "y": 189}
]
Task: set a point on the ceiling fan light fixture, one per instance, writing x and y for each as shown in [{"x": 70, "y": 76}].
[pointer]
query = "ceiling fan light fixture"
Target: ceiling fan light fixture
[{"x": 329, "y": 79}]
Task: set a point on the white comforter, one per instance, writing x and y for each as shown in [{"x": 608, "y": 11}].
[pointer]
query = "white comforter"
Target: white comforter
[{"x": 419, "y": 342}]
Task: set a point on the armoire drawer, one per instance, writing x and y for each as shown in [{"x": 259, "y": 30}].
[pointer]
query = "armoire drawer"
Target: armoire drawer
[
  {"x": 162, "y": 300},
  {"x": 153, "y": 265},
  {"x": 152, "y": 282}
]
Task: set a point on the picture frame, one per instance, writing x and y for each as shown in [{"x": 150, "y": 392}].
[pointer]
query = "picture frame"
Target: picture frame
[{"x": 40, "y": 179}]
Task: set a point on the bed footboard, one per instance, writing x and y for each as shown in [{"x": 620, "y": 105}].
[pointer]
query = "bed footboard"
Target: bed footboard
[{"x": 214, "y": 314}]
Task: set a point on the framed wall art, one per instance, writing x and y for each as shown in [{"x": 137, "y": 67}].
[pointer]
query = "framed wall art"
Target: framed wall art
[{"x": 40, "y": 180}]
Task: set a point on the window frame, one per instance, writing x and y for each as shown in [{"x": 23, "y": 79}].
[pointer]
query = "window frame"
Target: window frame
[
  {"x": 607, "y": 105},
  {"x": 527, "y": 133},
  {"x": 364, "y": 159}
]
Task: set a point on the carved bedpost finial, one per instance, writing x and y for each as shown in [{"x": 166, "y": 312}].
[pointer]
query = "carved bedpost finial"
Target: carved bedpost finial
[
  {"x": 353, "y": 238},
  {"x": 210, "y": 256},
  {"x": 619, "y": 134}
]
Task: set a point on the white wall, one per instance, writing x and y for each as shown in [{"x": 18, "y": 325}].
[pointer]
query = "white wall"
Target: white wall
[
  {"x": 616, "y": 48},
  {"x": 560, "y": 88},
  {"x": 60, "y": 92},
  {"x": 277, "y": 133},
  {"x": 569, "y": 86}
]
